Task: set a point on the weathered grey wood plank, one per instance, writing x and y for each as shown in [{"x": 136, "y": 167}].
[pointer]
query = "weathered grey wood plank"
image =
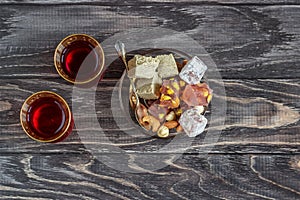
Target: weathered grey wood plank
[
  {"x": 73, "y": 176},
  {"x": 244, "y": 41},
  {"x": 143, "y": 2},
  {"x": 262, "y": 116},
  {"x": 259, "y": 43}
]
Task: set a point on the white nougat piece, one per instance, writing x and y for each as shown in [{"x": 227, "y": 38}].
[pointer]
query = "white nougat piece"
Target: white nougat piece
[
  {"x": 167, "y": 66},
  {"x": 142, "y": 66},
  {"x": 193, "y": 71}
]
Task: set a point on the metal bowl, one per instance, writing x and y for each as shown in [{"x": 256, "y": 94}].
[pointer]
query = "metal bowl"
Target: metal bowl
[{"x": 125, "y": 93}]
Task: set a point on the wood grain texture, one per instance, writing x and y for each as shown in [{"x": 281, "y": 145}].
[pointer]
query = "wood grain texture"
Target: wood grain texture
[
  {"x": 76, "y": 176},
  {"x": 262, "y": 116},
  {"x": 255, "y": 45},
  {"x": 244, "y": 41},
  {"x": 143, "y": 2}
]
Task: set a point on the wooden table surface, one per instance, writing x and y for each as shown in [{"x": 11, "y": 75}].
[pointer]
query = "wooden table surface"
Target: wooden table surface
[{"x": 256, "y": 46}]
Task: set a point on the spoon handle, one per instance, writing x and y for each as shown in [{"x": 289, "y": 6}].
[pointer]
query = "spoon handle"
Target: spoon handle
[{"x": 120, "y": 47}]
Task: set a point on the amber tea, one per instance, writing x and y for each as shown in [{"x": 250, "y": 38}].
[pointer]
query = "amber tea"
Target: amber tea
[
  {"x": 79, "y": 58},
  {"x": 46, "y": 117},
  {"x": 80, "y": 54}
]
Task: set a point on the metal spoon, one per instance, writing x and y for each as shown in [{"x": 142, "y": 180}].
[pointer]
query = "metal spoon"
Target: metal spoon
[{"x": 120, "y": 47}]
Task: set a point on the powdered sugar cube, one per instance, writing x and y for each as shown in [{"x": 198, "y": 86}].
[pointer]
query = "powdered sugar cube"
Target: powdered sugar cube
[
  {"x": 193, "y": 71},
  {"x": 192, "y": 122}
]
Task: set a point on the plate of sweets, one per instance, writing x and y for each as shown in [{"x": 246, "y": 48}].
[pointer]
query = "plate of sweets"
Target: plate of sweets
[{"x": 173, "y": 90}]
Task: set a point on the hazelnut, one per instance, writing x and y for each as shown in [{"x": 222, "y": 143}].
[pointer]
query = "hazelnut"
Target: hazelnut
[
  {"x": 163, "y": 132},
  {"x": 171, "y": 116}
]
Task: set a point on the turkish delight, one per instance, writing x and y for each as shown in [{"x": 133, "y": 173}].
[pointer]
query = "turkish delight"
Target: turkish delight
[
  {"x": 197, "y": 95},
  {"x": 193, "y": 122},
  {"x": 193, "y": 71}
]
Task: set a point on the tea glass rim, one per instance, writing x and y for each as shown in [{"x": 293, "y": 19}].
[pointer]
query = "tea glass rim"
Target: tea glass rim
[
  {"x": 56, "y": 53},
  {"x": 24, "y": 109}
]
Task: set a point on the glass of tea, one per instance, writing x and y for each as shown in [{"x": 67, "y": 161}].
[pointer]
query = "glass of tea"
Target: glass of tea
[
  {"x": 46, "y": 117},
  {"x": 79, "y": 58}
]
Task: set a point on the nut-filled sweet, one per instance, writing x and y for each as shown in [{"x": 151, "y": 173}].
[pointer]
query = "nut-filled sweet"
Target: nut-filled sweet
[{"x": 174, "y": 94}]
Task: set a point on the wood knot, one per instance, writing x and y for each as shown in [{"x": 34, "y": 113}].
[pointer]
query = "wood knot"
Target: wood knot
[
  {"x": 262, "y": 113},
  {"x": 5, "y": 105},
  {"x": 295, "y": 163}
]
